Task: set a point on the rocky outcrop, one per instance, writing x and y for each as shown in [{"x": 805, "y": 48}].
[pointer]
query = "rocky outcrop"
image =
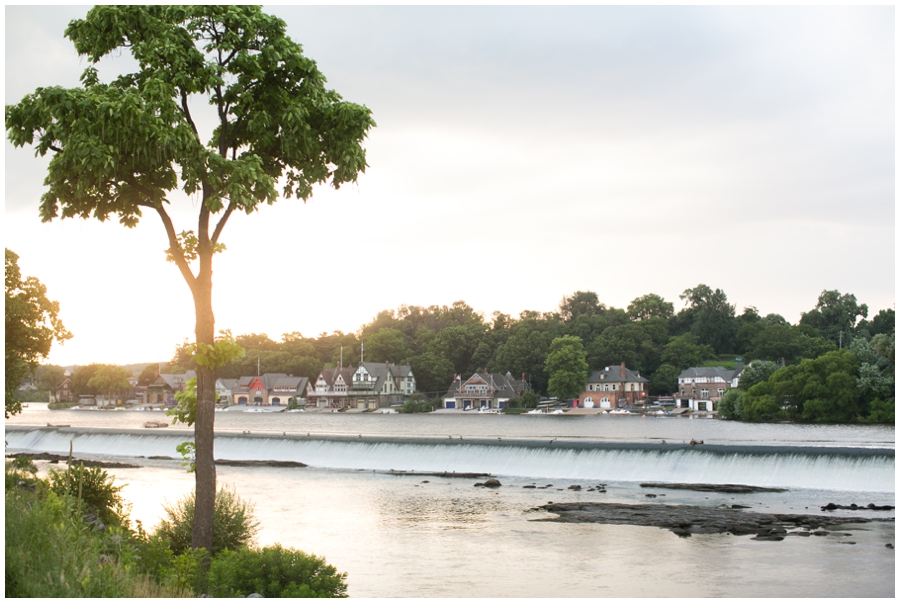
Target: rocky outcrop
[
  {"x": 56, "y": 458},
  {"x": 726, "y": 488},
  {"x": 685, "y": 520},
  {"x": 855, "y": 507},
  {"x": 229, "y": 463}
]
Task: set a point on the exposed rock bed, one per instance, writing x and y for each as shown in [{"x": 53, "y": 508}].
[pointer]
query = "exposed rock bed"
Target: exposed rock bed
[
  {"x": 726, "y": 488},
  {"x": 57, "y": 458},
  {"x": 685, "y": 520},
  {"x": 439, "y": 474},
  {"x": 231, "y": 463},
  {"x": 855, "y": 507}
]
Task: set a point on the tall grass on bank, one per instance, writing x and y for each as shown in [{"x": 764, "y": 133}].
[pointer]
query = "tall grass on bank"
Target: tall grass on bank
[
  {"x": 71, "y": 536},
  {"x": 52, "y": 552}
]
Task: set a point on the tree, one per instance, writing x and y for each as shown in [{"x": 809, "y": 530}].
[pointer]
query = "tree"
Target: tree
[
  {"x": 777, "y": 342},
  {"x": 580, "y": 303},
  {"x": 32, "y": 325},
  {"x": 149, "y": 374},
  {"x": 757, "y": 372},
  {"x": 49, "y": 377},
  {"x": 567, "y": 366},
  {"x": 684, "y": 352},
  {"x": 386, "y": 345},
  {"x": 525, "y": 352},
  {"x": 650, "y": 306},
  {"x": 731, "y": 405},
  {"x": 664, "y": 380},
  {"x": 711, "y": 317},
  {"x": 110, "y": 380},
  {"x": 835, "y": 316},
  {"x": 121, "y": 148},
  {"x": 628, "y": 343}
]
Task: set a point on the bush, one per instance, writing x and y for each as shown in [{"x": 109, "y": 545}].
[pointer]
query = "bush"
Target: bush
[
  {"x": 274, "y": 572},
  {"x": 418, "y": 406},
  {"x": 52, "y": 552},
  {"x": 234, "y": 525},
  {"x": 95, "y": 487}
]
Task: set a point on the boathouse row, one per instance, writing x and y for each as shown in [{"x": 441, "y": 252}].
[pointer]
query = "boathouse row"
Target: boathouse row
[
  {"x": 484, "y": 390},
  {"x": 368, "y": 386}
]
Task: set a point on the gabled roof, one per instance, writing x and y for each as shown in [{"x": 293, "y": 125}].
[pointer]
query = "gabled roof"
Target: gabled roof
[
  {"x": 503, "y": 386},
  {"x": 711, "y": 372},
  {"x": 329, "y": 375},
  {"x": 176, "y": 381},
  {"x": 613, "y": 374}
]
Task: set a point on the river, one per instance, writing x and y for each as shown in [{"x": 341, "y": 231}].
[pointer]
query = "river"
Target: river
[{"x": 427, "y": 536}]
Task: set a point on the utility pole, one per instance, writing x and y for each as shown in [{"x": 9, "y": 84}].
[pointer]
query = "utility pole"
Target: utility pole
[{"x": 840, "y": 340}]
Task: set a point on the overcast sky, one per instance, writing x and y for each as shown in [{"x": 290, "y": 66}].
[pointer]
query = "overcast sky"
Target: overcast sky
[{"x": 521, "y": 154}]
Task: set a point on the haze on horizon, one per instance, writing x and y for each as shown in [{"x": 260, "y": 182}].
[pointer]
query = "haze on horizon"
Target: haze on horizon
[{"x": 521, "y": 154}]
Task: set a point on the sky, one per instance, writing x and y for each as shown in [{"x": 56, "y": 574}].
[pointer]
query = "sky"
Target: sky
[{"x": 521, "y": 153}]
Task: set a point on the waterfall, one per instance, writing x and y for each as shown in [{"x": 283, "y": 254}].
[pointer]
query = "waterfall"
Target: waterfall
[{"x": 847, "y": 469}]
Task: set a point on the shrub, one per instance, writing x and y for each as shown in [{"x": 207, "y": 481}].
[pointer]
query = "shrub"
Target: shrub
[
  {"x": 417, "y": 406},
  {"x": 52, "y": 552},
  {"x": 274, "y": 572},
  {"x": 234, "y": 525},
  {"x": 95, "y": 487}
]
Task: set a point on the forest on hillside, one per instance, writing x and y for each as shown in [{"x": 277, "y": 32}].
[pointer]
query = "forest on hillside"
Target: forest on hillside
[{"x": 649, "y": 336}]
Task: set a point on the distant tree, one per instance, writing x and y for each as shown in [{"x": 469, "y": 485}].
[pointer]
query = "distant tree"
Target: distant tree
[
  {"x": 32, "y": 325},
  {"x": 711, "y": 318},
  {"x": 567, "y": 367},
  {"x": 777, "y": 342},
  {"x": 835, "y": 316},
  {"x": 882, "y": 323},
  {"x": 731, "y": 405},
  {"x": 525, "y": 352},
  {"x": 49, "y": 377},
  {"x": 628, "y": 343},
  {"x": 434, "y": 374},
  {"x": 685, "y": 351},
  {"x": 580, "y": 303},
  {"x": 81, "y": 378},
  {"x": 149, "y": 374},
  {"x": 124, "y": 147},
  {"x": 664, "y": 380},
  {"x": 386, "y": 345},
  {"x": 650, "y": 306},
  {"x": 757, "y": 372},
  {"x": 110, "y": 380},
  {"x": 528, "y": 399},
  {"x": 822, "y": 389}
]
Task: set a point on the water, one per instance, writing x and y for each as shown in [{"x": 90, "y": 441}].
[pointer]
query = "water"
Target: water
[{"x": 421, "y": 536}]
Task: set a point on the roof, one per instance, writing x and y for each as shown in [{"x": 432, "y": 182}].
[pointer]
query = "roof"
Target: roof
[
  {"x": 501, "y": 386},
  {"x": 711, "y": 372},
  {"x": 613, "y": 374}
]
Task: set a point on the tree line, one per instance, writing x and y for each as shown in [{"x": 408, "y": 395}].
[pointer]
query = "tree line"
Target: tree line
[{"x": 649, "y": 336}]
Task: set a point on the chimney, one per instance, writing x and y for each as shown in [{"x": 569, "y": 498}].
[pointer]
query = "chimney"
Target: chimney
[{"x": 623, "y": 370}]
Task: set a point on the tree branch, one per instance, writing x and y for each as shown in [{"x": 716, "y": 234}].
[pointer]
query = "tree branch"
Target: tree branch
[
  {"x": 221, "y": 224},
  {"x": 182, "y": 264},
  {"x": 187, "y": 114}
]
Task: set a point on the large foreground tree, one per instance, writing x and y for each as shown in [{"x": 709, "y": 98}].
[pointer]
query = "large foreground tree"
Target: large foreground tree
[{"x": 125, "y": 147}]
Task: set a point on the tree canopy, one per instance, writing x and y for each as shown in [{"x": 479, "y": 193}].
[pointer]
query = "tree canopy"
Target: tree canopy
[{"x": 32, "y": 325}]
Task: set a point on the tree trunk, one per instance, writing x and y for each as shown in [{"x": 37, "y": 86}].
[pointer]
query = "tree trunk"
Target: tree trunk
[{"x": 205, "y": 468}]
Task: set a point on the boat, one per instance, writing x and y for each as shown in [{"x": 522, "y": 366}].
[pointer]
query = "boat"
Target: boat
[
  {"x": 152, "y": 424},
  {"x": 534, "y": 411},
  {"x": 558, "y": 411},
  {"x": 488, "y": 411}
]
